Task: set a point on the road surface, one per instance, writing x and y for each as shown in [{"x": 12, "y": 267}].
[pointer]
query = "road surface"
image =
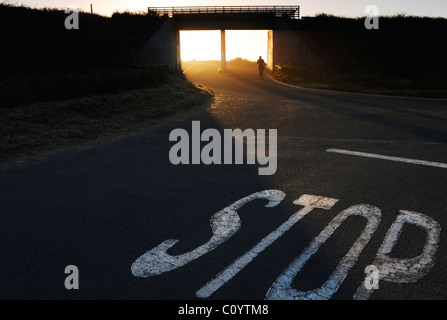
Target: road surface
[{"x": 360, "y": 181}]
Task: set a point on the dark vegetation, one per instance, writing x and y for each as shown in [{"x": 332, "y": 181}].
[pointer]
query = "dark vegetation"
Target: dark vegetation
[
  {"x": 40, "y": 60},
  {"x": 61, "y": 87},
  {"x": 37, "y": 40},
  {"x": 406, "y": 55}
]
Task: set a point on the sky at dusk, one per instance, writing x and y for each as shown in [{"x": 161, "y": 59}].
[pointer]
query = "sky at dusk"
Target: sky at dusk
[{"x": 349, "y": 8}]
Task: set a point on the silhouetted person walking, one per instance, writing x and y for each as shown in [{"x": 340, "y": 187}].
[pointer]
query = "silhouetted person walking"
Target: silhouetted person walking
[{"x": 261, "y": 67}]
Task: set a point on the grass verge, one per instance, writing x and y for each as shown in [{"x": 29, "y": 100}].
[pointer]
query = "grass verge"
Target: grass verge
[
  {"x": 46, "y": 126},
  {"x": 329, "y": 78}
]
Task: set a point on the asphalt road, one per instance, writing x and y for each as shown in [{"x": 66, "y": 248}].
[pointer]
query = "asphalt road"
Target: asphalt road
[{"x": 102, "y": 208}]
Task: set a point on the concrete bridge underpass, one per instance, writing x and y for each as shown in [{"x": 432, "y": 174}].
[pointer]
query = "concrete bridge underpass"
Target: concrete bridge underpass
[{"x": 161, "y": 45}]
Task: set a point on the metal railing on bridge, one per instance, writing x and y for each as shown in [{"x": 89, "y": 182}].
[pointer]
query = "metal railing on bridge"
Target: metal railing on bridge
[{"x": 292, "y": 12}]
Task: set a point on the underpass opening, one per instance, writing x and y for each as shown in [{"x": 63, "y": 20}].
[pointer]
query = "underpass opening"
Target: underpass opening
[{"x": 240, "y": 48}]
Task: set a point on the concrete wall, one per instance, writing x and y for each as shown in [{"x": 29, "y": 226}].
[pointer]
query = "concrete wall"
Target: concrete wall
[
  {"x": 286, "y": 45},
  {"x": 161, "y": 46}
]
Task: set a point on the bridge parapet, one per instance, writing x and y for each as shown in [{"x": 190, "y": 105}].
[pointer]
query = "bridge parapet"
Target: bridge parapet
[{"x": 292, "y": 12}]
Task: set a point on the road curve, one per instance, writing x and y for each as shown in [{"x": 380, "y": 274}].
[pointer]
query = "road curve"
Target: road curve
[{"x": 101, "y": 208}]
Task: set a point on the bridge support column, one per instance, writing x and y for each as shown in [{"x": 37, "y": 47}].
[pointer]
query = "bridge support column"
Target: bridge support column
[{"x": 223, "y": 51}]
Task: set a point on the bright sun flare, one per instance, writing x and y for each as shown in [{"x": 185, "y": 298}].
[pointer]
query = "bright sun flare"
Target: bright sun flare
[{"x": 205, "y": 45}]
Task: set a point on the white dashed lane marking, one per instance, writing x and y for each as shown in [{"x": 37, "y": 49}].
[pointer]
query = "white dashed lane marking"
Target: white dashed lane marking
[{"x": 382, "y": 157}]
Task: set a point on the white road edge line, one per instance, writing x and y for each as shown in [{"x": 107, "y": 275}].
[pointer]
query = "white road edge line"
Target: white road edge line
[
  {"x": 398, "y": 159},
  {"x": 354, "y": 93}
]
